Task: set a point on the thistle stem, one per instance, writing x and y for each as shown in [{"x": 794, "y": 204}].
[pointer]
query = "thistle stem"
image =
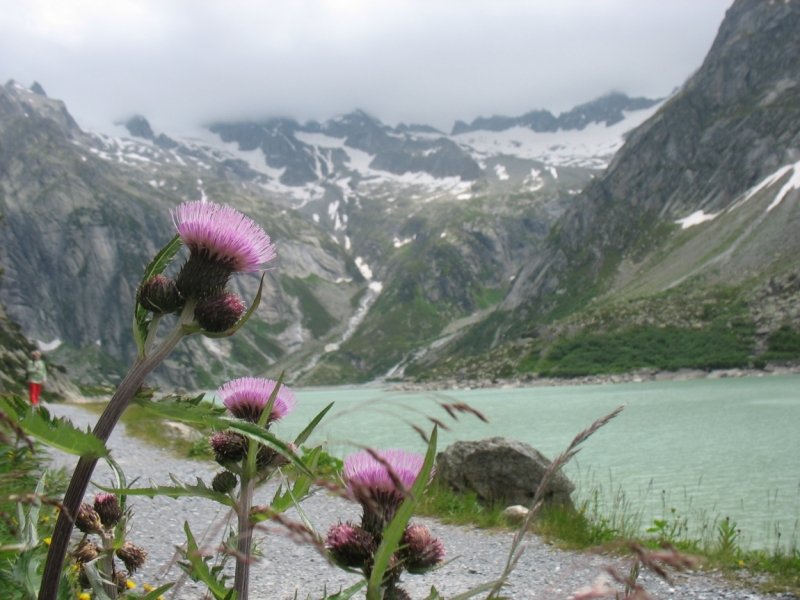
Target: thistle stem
[
  {"x": 102, "y": 430},
  {"x": 108, "y": 567},
  {"x": 241, "y": 579}
]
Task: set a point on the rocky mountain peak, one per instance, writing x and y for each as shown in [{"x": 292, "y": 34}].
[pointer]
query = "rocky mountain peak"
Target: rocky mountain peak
[
  {"x": 139, "y": 127},
  {"x": 17, "y": 101}
]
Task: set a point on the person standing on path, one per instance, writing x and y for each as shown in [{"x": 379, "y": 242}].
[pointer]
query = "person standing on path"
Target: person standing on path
[{"x": 37, "y": 375}]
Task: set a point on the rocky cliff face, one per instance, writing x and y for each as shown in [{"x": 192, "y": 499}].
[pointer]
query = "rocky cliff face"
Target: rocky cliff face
[{"x": 702, "y": 194}]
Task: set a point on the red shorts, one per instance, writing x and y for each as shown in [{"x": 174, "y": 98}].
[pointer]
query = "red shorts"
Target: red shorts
[{"x": 34, "y": 389}]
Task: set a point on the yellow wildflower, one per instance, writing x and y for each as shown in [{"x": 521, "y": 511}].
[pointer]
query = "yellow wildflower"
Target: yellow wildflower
[
  {"x": 741, "y": 563},
  {"x": 148, "y": 588},
  {"x": 84, "y": 596},
  {"x": 45, "y": 519},
  {"x": 130, "y": 584},
  {"x": 47, "y": 541}
]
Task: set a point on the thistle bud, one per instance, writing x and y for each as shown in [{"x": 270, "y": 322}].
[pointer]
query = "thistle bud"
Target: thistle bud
[
  {"x": 85, "y": 553},
  {"x": 224, "y": 482},
  {"x": 121, "y": 581},
  {"x": 219, "y": 313},
  {"x": 132, "y": 556},
  {"x": 159, "y": 295},
  {"x": 107, "y": 507},
  {"x": 229, "y": 447},
  {"x": 419, "y": 550},
  {"x": 349, "y": 546},
  {"x": 87, "y": 520}
]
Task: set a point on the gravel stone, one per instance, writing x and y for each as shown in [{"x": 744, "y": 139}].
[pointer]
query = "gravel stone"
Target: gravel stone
[{"x": 287, "y": 567}]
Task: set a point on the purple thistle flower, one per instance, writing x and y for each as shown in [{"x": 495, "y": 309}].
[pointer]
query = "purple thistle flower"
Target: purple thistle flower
[
  {"x": 370, "y": 482},
  {"x": 221, "y": 241},
  {"x": 226, "y": 233},
  {"x": 349, "y": 546},
  {"x": 420, "y": 551},
  {"x": 247, "y": 397},
  {"x": 363, "y": 470},
  {"x": 219, "y": 313}
]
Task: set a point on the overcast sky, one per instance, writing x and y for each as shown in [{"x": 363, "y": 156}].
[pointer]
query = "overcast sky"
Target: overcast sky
[{"x": 186, "y": 62}]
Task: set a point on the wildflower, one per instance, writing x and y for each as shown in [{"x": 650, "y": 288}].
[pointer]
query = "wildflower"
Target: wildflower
[
  {"x": 372, "y": 484},
  {"x": 349, "y": 546},
  {"x": 87, "y": 520},
  {"x": 219, "y": 313},
  {"x": 130, "y": 584},
  {"x": 84, "y": 596},
  {"x": 159, "y": 295},
  {"x": 420, "y": 551},
  {"x": 228, "y": 447},
  {"x": 247, "y": 397},
  {"x": 108, "y": 508},
  {"x": 85, "y": 553},
  {"x": 147, "y": 587},
  {"x": 224, "y": 482},
  {"x": 221, "y": 241},
  {"x": 47, "y": 541},
  {"x": 132, "y": 556}
]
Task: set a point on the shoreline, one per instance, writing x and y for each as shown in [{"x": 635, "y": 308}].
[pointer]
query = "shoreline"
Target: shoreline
[{"x": 638, "y": 376}]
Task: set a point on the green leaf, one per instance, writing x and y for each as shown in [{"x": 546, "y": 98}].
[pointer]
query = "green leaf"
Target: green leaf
[
  {"x": 156, "y": 592},
  {"x": 254, "y": 432},
  {"x": 394, "y": 532},
  {"x": 57, "y": 433},
  {"x": 190, "y": 411},
  {"x": 485, "y": 587},
  {"x": 198, "y": 568},
  {"x": 223, "y": 334},
  {"x": 285, "y": 500},
  {"x": 141, "y": 317},
  {"x": 311, "y": 426},
  {"x": 349, "y": 592},
  {"x": 179, "y": 490},
  {"x": 96, "y": 579}
]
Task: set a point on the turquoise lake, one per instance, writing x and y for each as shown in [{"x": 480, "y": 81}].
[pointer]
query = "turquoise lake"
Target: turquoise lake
[{"x": 708, "y": 448}]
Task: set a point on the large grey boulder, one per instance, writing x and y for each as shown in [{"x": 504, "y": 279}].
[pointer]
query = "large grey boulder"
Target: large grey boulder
[{"x": 500, "y": 470}]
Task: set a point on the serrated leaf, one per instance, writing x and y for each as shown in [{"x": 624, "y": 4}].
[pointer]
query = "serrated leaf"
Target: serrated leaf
[
  {"x": 189, "y": 411},
  {"x": 199, "y": 568},
  {"x": 179, "y": 490},
  {"x": 284, "y": 500},
  {"x": 58, "y": 433},
  {"x": 395, "y": 529},
  {"x": 304, "y": 435},
  {"x": 96, "y": 579},
  {"x": 223, "y": 334}
]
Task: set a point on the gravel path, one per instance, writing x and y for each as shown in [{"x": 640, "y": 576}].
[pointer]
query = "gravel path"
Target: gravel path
[{"x": 477, "y": 556}]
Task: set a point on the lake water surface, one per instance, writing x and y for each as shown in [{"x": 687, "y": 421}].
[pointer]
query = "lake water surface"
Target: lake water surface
[{"x": 709, "y": 448}]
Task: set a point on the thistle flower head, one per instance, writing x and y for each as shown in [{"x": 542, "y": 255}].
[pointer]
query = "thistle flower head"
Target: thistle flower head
[
  {"x": 86, "y": 552},
  {"x": 228, "y": 447},
  {"x": 219, "y": 313},
  {"x": 221, "y": 241},
  {"x": 247, "y": 397},
  {"x": 132, "y": 556},
  {"x": 87, "y": 520},
  {"x": 380, "y": 485},
  {"x": 420, "y": 551},
  {"x": 349, "y": 546},
  {"x": 224, "y": 482},
  {"x": 108, "y": 508},
  {"x": 363, "y": 470},
  {"x": 159, "y": 295}
]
